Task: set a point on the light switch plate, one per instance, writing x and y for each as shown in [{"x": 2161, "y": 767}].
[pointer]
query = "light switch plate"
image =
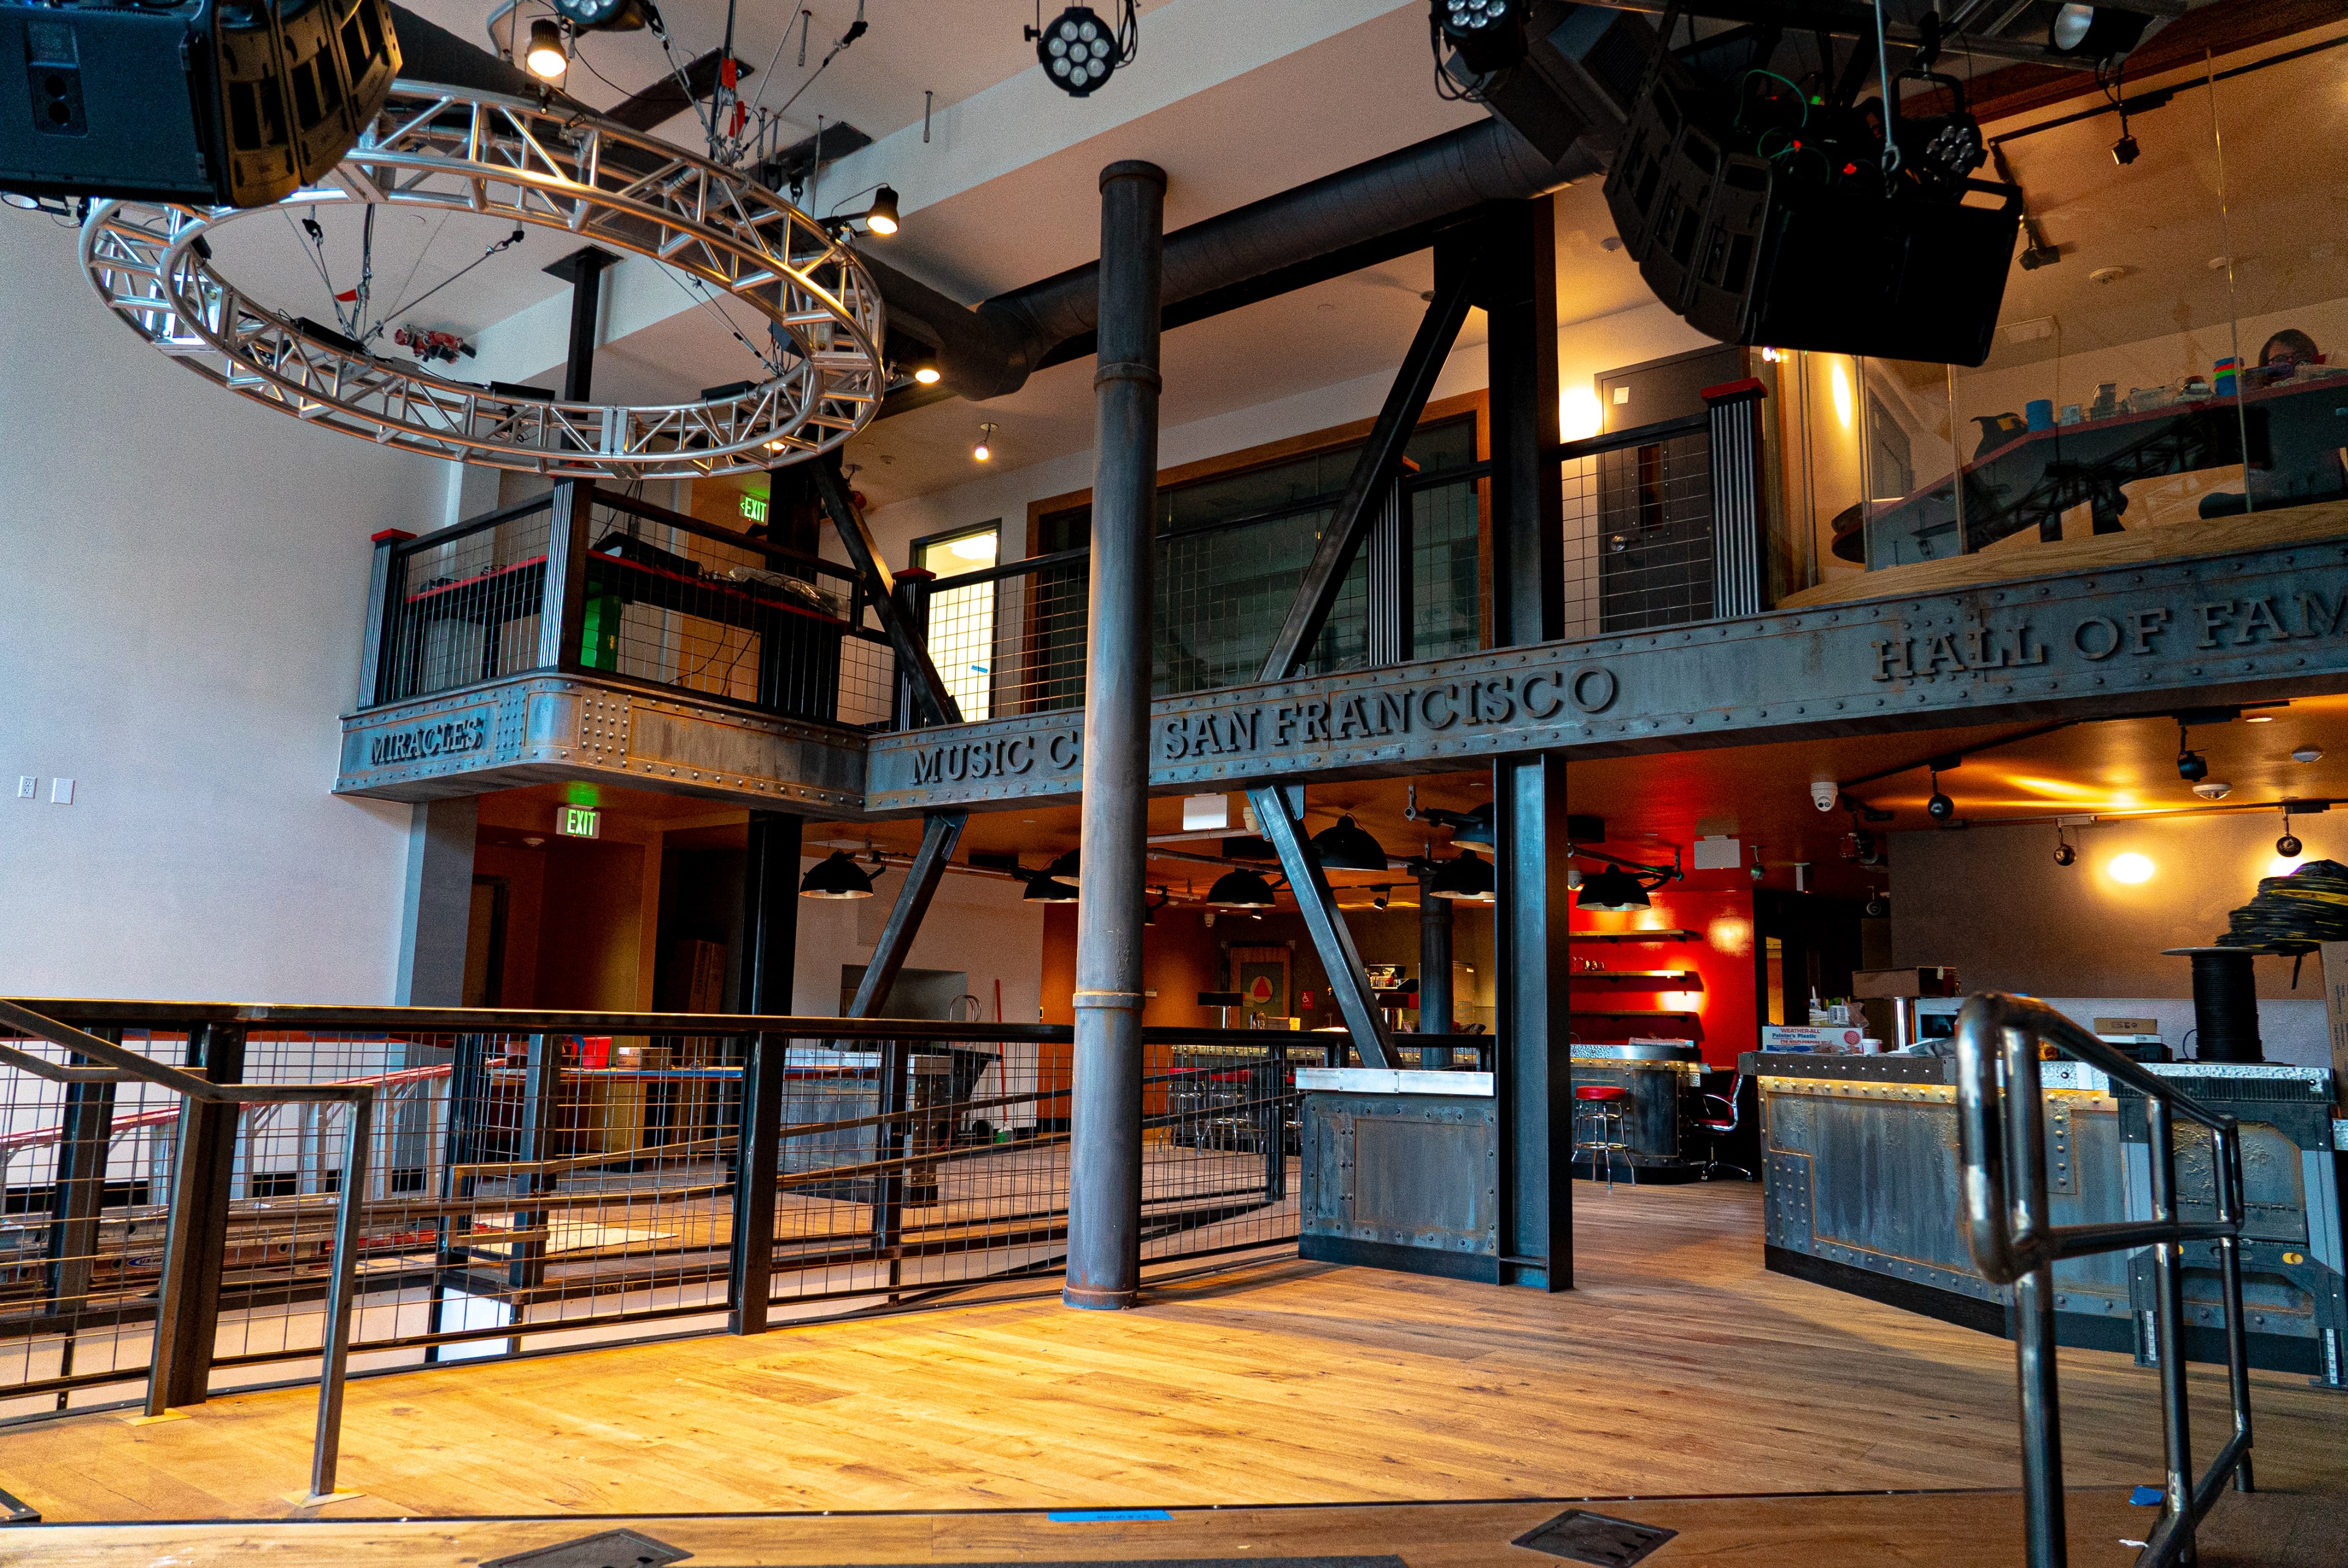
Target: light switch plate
[
  {"x": 61, "y": 791},
  {"x": 27, "y": 786}
]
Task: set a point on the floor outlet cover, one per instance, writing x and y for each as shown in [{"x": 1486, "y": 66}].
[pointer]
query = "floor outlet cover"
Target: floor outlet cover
[
  {"x": 612, "y": 1549},
  {"x": 1580, "y": 1536}
]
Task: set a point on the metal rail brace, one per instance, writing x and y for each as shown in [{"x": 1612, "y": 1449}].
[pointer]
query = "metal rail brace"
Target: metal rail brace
[{"x": 2003, "y": 1173}]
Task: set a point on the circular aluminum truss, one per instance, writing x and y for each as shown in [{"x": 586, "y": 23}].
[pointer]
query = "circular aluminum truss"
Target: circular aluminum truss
[{"x": 509, "y": 158}]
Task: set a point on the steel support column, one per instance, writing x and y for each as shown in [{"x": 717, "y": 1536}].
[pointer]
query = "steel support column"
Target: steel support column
[
  {"x": 562, "y": 620},
  {"x": 1434, "y": 1010},
  {"x": 1104, "y": 1268},
  {"x": 1516, "y": 283},
  {"x": 1533, "y": 1078},
  {"x": 187, "y": 1313},
  {"x": 1279, "y": 813},
  {"x": 770, "y": 914}
]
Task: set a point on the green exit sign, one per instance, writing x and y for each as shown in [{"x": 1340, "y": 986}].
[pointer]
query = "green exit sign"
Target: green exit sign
[
  {"x": 579, "y": 822},
  {"x": 754, "y": 507}
]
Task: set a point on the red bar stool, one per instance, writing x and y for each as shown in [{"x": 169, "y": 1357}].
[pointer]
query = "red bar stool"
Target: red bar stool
[{"x": 1597, "y": 1111}]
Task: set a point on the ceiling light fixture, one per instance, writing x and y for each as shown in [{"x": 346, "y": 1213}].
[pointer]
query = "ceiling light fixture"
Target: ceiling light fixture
[
  {"x": 925, "y": 368},
  {"x": 984, "y": 451},
  {"x": 1467, "y": 879},
  {"x": 881, "y": 218},
  {"x": 546, "y": 57},
  {"x": 1067, "y": 867},
  {"x": 1488, "y": 35},
  {"x": 2064, "y": 853},
  {"x": 1240, "y": 889},
  {"x": 1044, "y": 889},
  {"x": 835, "y": 876},
  {"x": 2095, "y": 32}
]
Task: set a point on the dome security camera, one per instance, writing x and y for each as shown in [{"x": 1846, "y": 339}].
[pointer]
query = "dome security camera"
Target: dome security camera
[
  {"x": 2212, "y": 789},
  {"x": 1822, "y": 793}
]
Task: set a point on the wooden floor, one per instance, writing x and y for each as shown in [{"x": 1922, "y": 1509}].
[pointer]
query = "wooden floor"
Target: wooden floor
[{"x": 1680, "y": 1373}]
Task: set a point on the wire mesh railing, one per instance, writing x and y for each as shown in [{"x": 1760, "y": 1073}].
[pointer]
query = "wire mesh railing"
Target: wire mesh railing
[
  {"x": 540, "y": 1178},
  {"x": 661, "y": 599},
  {"x": 1640, "y": 536}
]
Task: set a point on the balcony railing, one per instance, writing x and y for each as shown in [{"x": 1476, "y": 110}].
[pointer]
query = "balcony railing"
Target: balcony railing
[{"x": 628, "y": 590}]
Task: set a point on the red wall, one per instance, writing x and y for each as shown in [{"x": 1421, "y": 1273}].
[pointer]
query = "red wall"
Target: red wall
[{"x": 1718, "y": 907}]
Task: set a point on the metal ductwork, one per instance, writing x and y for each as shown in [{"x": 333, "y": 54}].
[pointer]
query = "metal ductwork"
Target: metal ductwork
[{"x": 1399, "y": 199}]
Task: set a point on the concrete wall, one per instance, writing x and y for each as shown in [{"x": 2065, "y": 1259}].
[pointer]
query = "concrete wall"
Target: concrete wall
[
  {"x": 1993, "y": 902},
  {"x": 184, "y": 578}
]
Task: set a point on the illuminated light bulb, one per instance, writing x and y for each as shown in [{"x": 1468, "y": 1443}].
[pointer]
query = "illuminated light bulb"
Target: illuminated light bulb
[
  {"x": 2130, "y": 869},
  {"x": 986, "y": 447},
  {"x": 881, "y": 218},
  {"x": 546, "y": 57},
  {"x": 1580, "y": 416},
  {"x": 927, "y": 375}
]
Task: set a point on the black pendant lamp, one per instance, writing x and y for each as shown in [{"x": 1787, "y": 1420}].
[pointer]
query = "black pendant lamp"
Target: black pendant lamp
[
  {"x": 1476, "y": 832},
  {"x": 1347, "y": 847},
  {"x": 1240, "y": 889},
  {"x": 1067, "y": 868},
  {"x": 836, "y": 876},
  {"x": 1045, "y": 888},
  {"x": 1466, "y": 877},
  {"x": 1612, "y": 889}
]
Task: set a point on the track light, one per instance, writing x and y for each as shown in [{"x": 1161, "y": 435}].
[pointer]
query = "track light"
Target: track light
[
  {"x": 836, "y": 876},
  {"x": 1384, "y": 896},
  {"x": 1240, "y": 889},
  {"x": 1939, "y": 808},
  {"x": 986, "y": 447},
  {"x": 1467, "y": 879},
  {"x": 546, "y": 57},
  {"x": 881, "y": 218},
  {"x": 2288, "y": 846},
  {"x": 2064, "y": 853},
  {"x": 1349, "y": 848}
]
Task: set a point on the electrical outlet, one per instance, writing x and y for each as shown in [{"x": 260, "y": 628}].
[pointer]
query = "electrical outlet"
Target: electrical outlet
[
  {"x": 27, "y": 786},
  {"x": 61, "y": 791}
]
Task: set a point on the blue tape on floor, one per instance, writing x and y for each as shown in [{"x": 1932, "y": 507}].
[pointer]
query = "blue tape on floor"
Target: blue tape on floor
[
  {"x": 2147, "y": 1497},
  {"x": 1108, "y": 1515}
]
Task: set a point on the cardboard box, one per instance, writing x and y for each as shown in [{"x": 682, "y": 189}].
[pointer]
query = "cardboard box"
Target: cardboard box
[
  {"x": 1929, "y": 980},
  {"x": 1826, "y": 1040},
  {"x": 2334, "y": 956}
]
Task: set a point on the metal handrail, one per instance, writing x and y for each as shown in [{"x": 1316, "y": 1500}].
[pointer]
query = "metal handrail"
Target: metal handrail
[
  {"x": 2013, "y": 1242},
  {"x": 325, "y": 1450}
]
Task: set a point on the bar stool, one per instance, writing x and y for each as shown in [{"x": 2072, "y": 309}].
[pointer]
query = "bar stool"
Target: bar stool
[{"x": 1598, "y": 1128}]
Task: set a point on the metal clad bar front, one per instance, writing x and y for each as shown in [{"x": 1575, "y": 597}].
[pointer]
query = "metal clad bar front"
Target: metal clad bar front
[
  {"x": 1374, "y": 471},
  {"x": 1104, "y": 1260},
  {"x": 1349, "y": 981}
]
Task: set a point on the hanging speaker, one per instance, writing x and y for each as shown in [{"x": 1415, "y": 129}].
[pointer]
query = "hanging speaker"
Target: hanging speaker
[{"x": 210, "y": 104}]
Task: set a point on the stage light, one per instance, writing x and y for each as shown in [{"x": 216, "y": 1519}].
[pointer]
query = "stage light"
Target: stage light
[
  {"x": 836, "y": 877},
  {"x": 881, "y": 218},
  {"x": 1240, "y": 889},
  {"x": 1348, "y": 848},
  {"x": 925, "y": 370},
  {"x": 546, "y": 56},
  {"x": 2095, "y": 32},
  {"x": 1078, "y": 51},
  {"x": 1467, "y": 879},
  {"x": 1490, "y": 34},
  {"x": 2131, "y": 869},
  {"x": 984, "y": 451}
]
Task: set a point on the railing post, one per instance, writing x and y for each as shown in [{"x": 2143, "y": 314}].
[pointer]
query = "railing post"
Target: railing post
[
  {"x": 893, "y": 1102},
  {"x": 79, "y": 1196},
  {"x": 541, "y": 1094},
  {"x": 186, "y": 1317},
  {"x": 341, "y": 1294},
  {"x": 1737, "y": 506},
  {"x": 2169, "y": 1317},
  {"x": 468, "y": 1097},
  {"x": 756, "y": 1158},
  {"x": 2226, "y": 1167},
  {"x": 383, "y": 597},
  {"x": 2042, "y": 1429}
]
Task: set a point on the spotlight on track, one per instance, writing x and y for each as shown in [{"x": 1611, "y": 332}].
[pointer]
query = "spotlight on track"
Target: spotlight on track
[
  {"x": 547, "y": 56},
  {"x": 881, "y": 218},
  {"x": 984, "y": 451},
  {"x": 2095, "y": 32}
]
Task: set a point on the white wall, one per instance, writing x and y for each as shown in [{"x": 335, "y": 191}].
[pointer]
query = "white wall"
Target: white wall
[
  {"x": 979, "y": 925},
  {"x": 183, "y": 577}
]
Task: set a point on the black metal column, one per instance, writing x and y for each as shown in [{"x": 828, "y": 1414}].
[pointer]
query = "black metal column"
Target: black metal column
[
  {"x": 469, "y": 1101},
  {"x": 186, "y": 1315},
  {"x": 1533, "y": 1076},
  {"x": 1280, "y": 812},
  {"x": 1435, "y": 1007},
  {"x": 562, "y": 620},
  {"x": 1104, "y": 1153},
  {"x": 757, "y": 1157},
  {"x": 770, "y": 914},
  {"x": 1516, "y": 273}
]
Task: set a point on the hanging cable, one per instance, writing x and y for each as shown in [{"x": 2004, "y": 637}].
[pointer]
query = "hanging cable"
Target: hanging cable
[{"x": 507, "y": 243}]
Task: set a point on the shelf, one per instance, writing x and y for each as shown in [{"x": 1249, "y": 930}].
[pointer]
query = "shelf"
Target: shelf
[
  {"x": 1632, "y": 1013},
  {"x": 1631, "y": 975},
  {"x": 1672, "y": 934}
]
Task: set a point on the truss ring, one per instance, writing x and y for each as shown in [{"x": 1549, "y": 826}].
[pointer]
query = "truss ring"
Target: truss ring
[{"x": 472, "y": 151}]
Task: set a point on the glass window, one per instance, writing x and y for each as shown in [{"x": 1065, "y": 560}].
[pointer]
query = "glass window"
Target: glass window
[{"x": 962, "y": 619}]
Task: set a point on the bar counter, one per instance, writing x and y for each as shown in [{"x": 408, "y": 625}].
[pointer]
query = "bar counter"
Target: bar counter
[{"x": 1861, "y": 1193}]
